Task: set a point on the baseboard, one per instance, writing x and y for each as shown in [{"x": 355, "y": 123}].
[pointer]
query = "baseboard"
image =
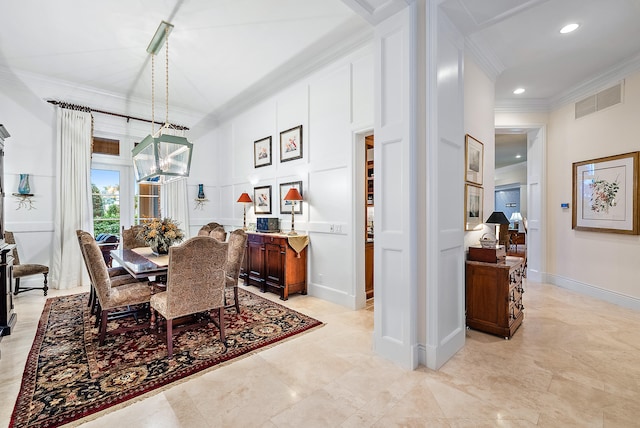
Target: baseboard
[
  {"x": 436, "y": 356},
  {"x": 593, "y": 291},
  {"x": 332, "y": 295}
]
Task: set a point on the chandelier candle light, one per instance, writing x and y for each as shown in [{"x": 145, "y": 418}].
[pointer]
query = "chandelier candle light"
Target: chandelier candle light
[
  {"x": 244, "y": 199},
  {"x": 294, "y": 196},
  {"x": 161, "y": 156}
]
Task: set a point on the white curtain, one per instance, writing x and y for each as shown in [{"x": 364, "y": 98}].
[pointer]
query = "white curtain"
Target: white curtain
[
  {"x": 174, "y": 203},
  {"x": 73, "y": 208}
]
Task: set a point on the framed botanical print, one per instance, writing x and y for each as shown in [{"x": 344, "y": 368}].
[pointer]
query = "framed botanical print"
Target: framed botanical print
[
  {"x": 474, "y": 160},
  {"x": 285, "y": 206},
  {"x": 291, "y": 144},
  {"x": 262, "y": 200},
  {"x": 473, "y": 200},
  {"x": 262, "y": 152},
  {"x": 605, "y": 194}
]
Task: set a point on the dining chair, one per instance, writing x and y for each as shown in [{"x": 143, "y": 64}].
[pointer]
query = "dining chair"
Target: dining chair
[
  {"x": 27, "y": 269},
  {"x": 118, "y": 275},
  {"x": 110, "y": 297},
  {"x": 131, "y": 237},
  {"x": 195, "y": 284},
  {"x": 235, "y": 256}
]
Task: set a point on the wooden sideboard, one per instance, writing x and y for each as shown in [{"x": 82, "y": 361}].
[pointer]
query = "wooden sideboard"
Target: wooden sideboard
[
  {"x": 7, "y": 315},
  {"x": 494, "y": 296},
  {"x": 272, "y": 265}
]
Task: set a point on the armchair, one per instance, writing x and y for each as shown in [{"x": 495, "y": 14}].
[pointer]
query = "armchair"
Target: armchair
[
  {"x": 28, "y": 269},
  {"x": 195, "y": 283}
]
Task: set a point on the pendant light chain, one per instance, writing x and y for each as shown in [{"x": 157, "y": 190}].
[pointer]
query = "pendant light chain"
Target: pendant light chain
[
  {"x": 166, "y": 32},
  {"x": 153, "y": 102}
]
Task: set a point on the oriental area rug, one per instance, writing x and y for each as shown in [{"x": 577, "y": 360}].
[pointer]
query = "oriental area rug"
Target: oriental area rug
[{"x": 68, "y": 376}]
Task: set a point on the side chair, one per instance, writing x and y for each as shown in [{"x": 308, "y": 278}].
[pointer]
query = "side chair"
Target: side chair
[
  {"x": 130, "y": 237},
  {"x": 195, "y": 284},
  {"x": 235, "y": 256},
  {"x": 110, "y": 297},
  {"x": 27, "y": 269}
]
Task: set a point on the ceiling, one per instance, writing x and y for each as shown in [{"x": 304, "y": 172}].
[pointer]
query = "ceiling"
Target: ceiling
[{"x": 225, "y": 53}]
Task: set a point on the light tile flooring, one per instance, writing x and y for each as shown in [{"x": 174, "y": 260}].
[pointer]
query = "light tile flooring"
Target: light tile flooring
[{"x": 574, "y": 362}]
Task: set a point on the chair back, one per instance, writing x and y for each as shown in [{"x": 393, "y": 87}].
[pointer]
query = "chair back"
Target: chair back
[
  {"x": 219, "y": 233},
  {"x": 237, "y": 243},
  {"x": 195, "y": 277},
  {"x": 96, "y": 266},
  {"x": 10, "y": 239},
  {"x": 131, "y": 238},
  {"x": 207, "y": 228}
]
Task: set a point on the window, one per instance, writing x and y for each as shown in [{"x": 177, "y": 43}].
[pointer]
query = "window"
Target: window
[
  {"x": 106, "y": 146},
  {"x": 105, "y": 196},
  {"x": 147, "y": 202}
]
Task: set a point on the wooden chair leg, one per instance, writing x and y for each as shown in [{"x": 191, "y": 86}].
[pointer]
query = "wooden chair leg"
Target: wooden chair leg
[
  {"x": 103, "y": 326},
  {"x": 223, "y": 337},
  {"x": 45, "y": 287},
  {"x": 235, "y": 296},
  {"x": 17, "y": 289},
  {"x": 170, "y": 338},
  {"x": 98, "y": 312}
]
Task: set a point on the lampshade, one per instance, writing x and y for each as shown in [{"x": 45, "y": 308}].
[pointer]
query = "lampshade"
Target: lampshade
[
  {"x": 165, "y": 158},
  {"x": 515, "y": 217},
  {"x": 245, "y": 198},
  {"x": 497, "y": 217},
  {"x": 293, "y": 195}
]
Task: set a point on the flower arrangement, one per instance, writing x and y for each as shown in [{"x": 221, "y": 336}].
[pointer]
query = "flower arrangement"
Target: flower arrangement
[{"x": 160, "y": 234}]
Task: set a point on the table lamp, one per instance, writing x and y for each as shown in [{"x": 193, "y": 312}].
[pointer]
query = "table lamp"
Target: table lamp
[
  {"x": 294, "y": 196},
  {"x": 244, "y": 199},
  {"x": 498, "y": 218},
  {"x": 515, "y": 219}
]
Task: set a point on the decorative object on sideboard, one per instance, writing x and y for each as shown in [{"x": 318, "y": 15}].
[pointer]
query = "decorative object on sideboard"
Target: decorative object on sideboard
[
  {"x": 162, "y": 156},
  {"x": 500, "y": 221},
  {"x": 295, "y": 197},
  {"x": 201, "y": 198},
  {"x": 244, "y": 199}
]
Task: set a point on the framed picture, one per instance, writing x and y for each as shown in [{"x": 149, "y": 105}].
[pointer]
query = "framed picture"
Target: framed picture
[
  {"x": 262, "y": 200},
  {"x": 262, "y": 152},
  {"x": 473, "y": 200},
  {"x": 474, "y": 160},
  {"x": 605, "y": 194},
  {"x": 285, "y": 206},
  {"x": 291, "y": 144}
]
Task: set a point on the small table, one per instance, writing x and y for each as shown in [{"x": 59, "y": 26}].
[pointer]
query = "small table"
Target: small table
[{"x": 141, "y": 262}]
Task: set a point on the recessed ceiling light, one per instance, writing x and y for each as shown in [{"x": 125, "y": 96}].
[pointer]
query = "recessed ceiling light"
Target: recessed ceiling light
[
  {"x": 569, "y": 28},
  {"x": 519, "y": 91}
]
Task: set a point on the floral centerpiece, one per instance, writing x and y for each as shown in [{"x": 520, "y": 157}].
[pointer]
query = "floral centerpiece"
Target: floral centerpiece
[{"x": 160, "y": 234}]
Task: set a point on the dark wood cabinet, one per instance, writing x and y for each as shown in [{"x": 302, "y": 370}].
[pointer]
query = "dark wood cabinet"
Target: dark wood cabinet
[
  {"x": 494, "y": 296},
  {"x": 272, "y": 265},
  {"x": 7, "y": 315}
]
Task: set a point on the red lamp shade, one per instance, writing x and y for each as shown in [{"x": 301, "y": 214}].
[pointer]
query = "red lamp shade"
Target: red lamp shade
[
  {"x": 293, "y": 195},
  {"x": 245, "y": 198}
]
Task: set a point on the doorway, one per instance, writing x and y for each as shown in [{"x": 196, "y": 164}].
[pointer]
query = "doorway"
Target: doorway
[{"x": 369, "y": 218}]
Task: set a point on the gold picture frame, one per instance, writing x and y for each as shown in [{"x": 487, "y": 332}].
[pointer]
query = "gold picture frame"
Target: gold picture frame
[{"x": 605, "y": 194}]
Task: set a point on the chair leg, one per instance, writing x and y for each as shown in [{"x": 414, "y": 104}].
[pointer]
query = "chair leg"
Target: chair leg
[
  {"x": 98, "y": 311},
  {"x": 235, "y": 296},
  {"x": 46, "y": 287},
  {"x": 170, "y": 338},
  {"x": 103, "y": 326},
  {"x": 223, "y": 337},
  {"x": 17, "y": 289}
]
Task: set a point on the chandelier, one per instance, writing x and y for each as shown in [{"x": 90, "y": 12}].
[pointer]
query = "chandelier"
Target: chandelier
[{"x": 162, "y": 156}]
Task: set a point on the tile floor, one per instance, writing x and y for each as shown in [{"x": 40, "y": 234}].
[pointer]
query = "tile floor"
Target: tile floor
[{"x": 574, "y": 362}]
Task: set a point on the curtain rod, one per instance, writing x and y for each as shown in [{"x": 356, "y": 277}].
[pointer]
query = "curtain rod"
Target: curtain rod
[{"x": 63, "y": 104}]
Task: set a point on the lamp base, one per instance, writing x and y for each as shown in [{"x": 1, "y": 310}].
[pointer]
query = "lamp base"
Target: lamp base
[{"x": 292, "y": 233}]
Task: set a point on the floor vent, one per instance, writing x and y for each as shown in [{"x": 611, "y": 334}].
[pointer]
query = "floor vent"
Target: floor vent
[{"x": 600, "y": 101}]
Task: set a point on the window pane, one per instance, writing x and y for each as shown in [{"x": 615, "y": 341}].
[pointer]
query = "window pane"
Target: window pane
[
  {"x": 147, "y": 202},
  {"x": 105, "y": 189}
]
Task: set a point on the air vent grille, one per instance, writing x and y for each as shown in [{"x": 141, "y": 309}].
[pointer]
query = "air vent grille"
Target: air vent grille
[{"x": 600, "y": 101}]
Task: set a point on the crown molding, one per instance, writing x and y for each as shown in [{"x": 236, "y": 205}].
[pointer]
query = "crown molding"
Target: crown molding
[
  {"x": 375, "y": 14},
  {"x": 486, "y": 59}
]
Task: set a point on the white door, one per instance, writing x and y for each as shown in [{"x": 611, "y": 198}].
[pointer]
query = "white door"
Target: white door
[{"x": 535, "y": 203}]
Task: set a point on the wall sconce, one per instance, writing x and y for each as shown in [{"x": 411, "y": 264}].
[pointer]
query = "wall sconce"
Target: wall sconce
[
  {"x": 294, "y": 196},
  {"x": 244, "y": 199}
]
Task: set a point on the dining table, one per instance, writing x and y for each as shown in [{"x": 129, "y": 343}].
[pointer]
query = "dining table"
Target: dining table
[{"x": 141, "y": 262}]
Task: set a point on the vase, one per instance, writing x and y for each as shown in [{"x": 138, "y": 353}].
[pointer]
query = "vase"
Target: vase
[
  {"x": 200, "y": 191},
  {"x": 160, "y": 250},
  {"x": 23, "y": 185}
]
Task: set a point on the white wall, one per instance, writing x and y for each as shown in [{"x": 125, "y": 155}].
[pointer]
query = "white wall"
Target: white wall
[
  {"x": 331, "y": 105},
  {"x": 604, "y": 263},
  {"x": 479, "y": 103}
]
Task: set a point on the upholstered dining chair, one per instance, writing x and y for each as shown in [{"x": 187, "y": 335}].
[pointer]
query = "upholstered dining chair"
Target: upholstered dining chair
[
  {"x": 130, "y": 237},
  {"x": 195, "y": 283},
  {"x": 27, "y": 269},
  {"x": 235, "y": 255},
  {"x": 110, "y": 297},
  {"x": 118, "y": 275},
  {"x": 215, "y": 230}
]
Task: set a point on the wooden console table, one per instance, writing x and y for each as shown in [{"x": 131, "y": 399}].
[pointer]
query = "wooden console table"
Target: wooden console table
[
  {"x": 8, "y": 317},
  {"x": 272, "y": 264}
]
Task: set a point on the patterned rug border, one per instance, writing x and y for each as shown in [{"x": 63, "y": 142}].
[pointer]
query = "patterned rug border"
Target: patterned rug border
[{"x": 30, "y": 371}]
